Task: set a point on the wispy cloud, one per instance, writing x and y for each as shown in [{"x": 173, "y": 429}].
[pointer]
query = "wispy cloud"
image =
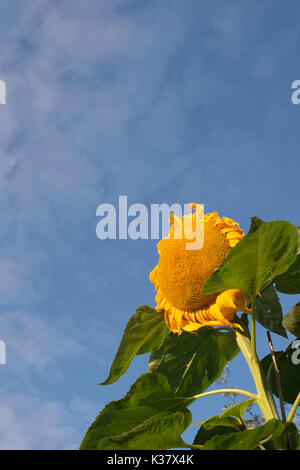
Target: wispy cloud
[
  {"x": 157, "y": 100},
  {"x": 29, "y": 422}
]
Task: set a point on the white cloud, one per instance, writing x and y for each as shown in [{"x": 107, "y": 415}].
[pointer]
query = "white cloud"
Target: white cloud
[
  {"x": 34, "y": 343},
  {"x": 29, "y": 422},
  {"x": 76, "y": 78}
]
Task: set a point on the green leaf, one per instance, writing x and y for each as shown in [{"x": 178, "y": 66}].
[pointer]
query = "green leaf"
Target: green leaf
[
  {"x": 224, "y": 421},
  {"x": 292, "y": 321},
  {"x": 150, "y": 416},
  {"x": 145, "y": 332},
  {"x": 192, "y": 362},
  {"x": 292, "y": 434},
  {"x": 263, "y": 254},
  {"x": 203, "y": 435},
  {"x": 216, "y": 426},
  {"x": 255, "y": 223},
  {"x": 161, "y": 433},
  {"x": 238, "y": 409},
  {"x": 269, "y": 312},
  {"x": 289, "y": 282},
  {"x": 246, "y": 440},
  {"x": 289, "y": 374},
  {"x": 231, "y": 420}
]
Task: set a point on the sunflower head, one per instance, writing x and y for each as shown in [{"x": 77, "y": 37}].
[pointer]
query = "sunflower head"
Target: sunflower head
[{"x": 181, "y": 273}]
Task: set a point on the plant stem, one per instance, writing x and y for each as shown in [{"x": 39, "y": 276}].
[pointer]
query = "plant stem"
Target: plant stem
[
  {"x": 253, "y": 329},
  {"x": 294, "y": 408},
  {"x": 194, "y": 446},
  {"x": 277, "y": 375},
  {"x": 226, "y": 390},
  {"x": 264, "y": 396}
]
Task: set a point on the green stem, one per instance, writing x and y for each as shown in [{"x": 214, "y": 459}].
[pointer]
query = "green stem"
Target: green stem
[
  {"x": 194, "y": 446},
  {"x": 294, "y": 408},
  {"x": 226, "y": 390},
  {"x": 264, "y": 396},
  {"x": 253, "y": 330}
]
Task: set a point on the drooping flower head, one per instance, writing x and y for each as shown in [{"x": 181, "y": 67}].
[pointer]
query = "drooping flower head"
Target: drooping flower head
[{"x": 181, "y": 273}]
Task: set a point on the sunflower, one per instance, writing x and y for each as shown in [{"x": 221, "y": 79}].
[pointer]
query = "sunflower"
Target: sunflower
[{"x": 181, "y": 273}]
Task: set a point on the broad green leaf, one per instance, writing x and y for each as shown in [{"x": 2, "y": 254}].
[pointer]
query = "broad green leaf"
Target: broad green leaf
[
  {"x": 289, "y": 282},
  {"x": 263, "y": 254},
  {"x": 269, "y": 312},
  {"x": 161, "y": 433},
  {"x": 203, "y": 435},
  {"x": 216, "y": 426},
  {"x": 142, "y": 419},
  {"x": 238, "y": 409},
  {"x": 192, "y": 362},
  {"x": 289, "y": 374},
  {"x": 145, "y": 332},
  {"x": 224, "y": 421},
  {"x": 231, "y": 420},
  {"x": 246, "y": 440},
  {"x": 255, "y": 223},
  {"x": 292, "y": 321},
  {"x": 292, "y": 434}
]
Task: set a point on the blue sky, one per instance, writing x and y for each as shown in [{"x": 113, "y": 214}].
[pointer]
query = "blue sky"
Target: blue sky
[{"x": 162, "y": 101}]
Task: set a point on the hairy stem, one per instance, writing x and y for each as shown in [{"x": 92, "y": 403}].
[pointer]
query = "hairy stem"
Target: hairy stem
[
  {"x": 253, "y": 330},
  {"x": 293, "y": 409},
  {"x": 226, "y": 390},
  {"x": 264, "y": 396},
  {"x": 277, "y": 375}
]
